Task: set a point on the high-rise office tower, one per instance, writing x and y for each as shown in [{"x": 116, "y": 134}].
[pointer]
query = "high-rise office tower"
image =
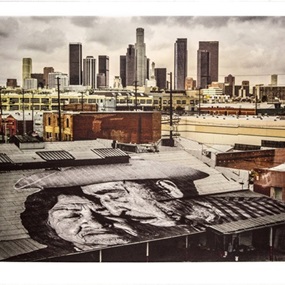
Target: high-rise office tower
[
  {"x": 101, "y": 80},
  {"x": 229, "y": 86},
  {"x": 141, "y": 60},
  {"x": 47, "y": 70},
  {"x": 89, "y": 72},
  {"x": 26, "y": 69},
  {"x": 148, "y": 68},
  {"x": 75, "y": 63},
  {"x": 203, "y": 69},
  {"x": 123, "y": 66},
  {"x": 104, "y": 68},
  {"x": 213, "y": 49},
  {"x": 180, "y": 63},
  {"x": 130, "y": 65},
  {"x": 160, "y": 76}
]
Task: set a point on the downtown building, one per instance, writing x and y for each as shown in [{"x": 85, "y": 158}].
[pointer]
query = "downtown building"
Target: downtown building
[
  {"x": 180, "y": 63},
  {"x": 160, "y": 76},
  {"x": 123, "y": 70},
  {"x": 104, "y": 69},
  {"x": 75, "y": 64},
  {"x": 47, "y": 70},
  {"x": 141, "y": 59},
  {"x": 212, "y": 47},
  {"x": 26, "y": 69},
  {"x": 130, "y": 65},
  {"x": 203, "y": 69},
  {"x": 89, "y": 72}
]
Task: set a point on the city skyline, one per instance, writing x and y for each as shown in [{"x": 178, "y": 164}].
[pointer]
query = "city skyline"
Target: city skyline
[{"x": 247, "y": 45}]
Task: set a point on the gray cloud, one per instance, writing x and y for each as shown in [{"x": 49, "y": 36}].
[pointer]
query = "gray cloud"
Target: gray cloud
[
  {"x": 43, "y": 41},
  {"x": 8, "y": 26},
  {"x": 85, "y": 22}
]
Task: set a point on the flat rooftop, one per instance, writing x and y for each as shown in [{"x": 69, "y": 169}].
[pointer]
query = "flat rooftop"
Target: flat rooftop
[{"x": 211, "y": 195}]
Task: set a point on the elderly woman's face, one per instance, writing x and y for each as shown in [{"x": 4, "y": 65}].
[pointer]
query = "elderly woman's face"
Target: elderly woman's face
[{"x": 73, "y": 220}]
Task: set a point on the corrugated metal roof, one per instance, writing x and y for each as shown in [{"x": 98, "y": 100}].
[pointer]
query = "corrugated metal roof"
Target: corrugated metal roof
[
  {"x": 110, "y": 152},
  {"x": 4, "y": 158},
  {"x": 55, "y": 155},
  {"x": 249, "y": 224}
]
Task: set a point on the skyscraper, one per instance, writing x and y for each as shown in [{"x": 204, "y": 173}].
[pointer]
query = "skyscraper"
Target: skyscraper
[
  {"x": 160, "y": 76},
  {"x": 104, "y": 68},
  {"x": 75, "y": 64},
  {"x": 47, "y": 70},
  {"x": 141, "y": 60},
  {"x": 89, "y": 72},
  {"x": 26, "y": 69},
  {"x": 180, "y": 63},
  {"x": 130, "y": 65},
  {"x": 203, "y": 71},
  {"x": 213, "y": 49},
  {"x": 123, "y": 66},
  {"x": 229, "y": 86}
]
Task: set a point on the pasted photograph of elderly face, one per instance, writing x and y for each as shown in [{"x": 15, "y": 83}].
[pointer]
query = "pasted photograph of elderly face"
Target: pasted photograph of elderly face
[{"x": 99, "y": 215}]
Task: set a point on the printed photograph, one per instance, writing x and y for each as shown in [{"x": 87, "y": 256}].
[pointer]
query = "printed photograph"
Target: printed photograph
[{"x": 142, "y": 139}]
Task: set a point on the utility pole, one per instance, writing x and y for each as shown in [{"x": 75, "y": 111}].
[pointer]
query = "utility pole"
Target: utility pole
[
  {"x": 32, "y": 111},
  {"x": 59, "y": 114},
  {"x": 136, "y": 95},
  {"x": 23, "y": 108},
  {"x": 199, "y": 110},
  {"x": 170, "y": 113},
  {"x": 82, "y": 101}
]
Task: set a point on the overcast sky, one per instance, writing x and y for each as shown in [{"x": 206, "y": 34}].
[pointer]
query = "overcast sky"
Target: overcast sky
[{"x": 248, "y": 46}]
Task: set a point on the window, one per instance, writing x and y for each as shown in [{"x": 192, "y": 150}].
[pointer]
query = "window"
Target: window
[
  {"x": 142, "y": 101},
  {"x": 67, "y": 122},
  {"x": 155, "y": 102},
  {"x": 148, "y": 101},
  {"x": 35, "y": 100},
  {"x": 49, "y": 121},
  {"x": 178, "y": 102},
  {"x": 183, "y": 102}
]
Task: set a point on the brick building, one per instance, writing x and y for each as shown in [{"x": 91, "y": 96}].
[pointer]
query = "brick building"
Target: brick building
[{"x": 126, "y": 127}]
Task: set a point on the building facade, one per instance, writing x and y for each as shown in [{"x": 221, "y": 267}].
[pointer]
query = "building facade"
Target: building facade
[
  {"x": 26, "y": 69},
  {"x": 125, "y": 127},
  {"x": 213, "y": 48},
  {"x": 30, "y": 84},
  {"x": 40, "y": 79},
  {"x": 203, "y": 69},
  {"x": 130, "y": 65},
  {"x": 104, "y": 68},
  {"x": 52, "y": 80},
  {"x": 75, "y": 64},
  {"x": 89, "y": 72},
  {"x": 11, "y": 83},
  {"x": 180, "y": 63},
  {"x": 160, "y": 76},
  {"x": 141, "y": 59},
  {"x": 123, "y": 71},
  {"x": 47, "y": 70}
]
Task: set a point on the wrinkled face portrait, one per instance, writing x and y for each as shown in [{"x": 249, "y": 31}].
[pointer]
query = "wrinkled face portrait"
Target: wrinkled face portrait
[
  {"x": 133, "y": 200},
  {"x": 73, "y": 219}
]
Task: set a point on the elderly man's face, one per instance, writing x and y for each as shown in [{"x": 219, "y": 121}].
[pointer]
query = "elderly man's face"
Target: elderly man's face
[
  {"x": 133, "y": 200},
  {"x": 73, "y": 220}
]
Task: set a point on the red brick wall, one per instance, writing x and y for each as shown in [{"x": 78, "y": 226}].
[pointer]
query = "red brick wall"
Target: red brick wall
[{"x": 126, "y": 127}]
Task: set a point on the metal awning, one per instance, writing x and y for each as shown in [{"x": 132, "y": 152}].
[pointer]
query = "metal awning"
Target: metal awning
[{"x": 249, "y": 224}]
